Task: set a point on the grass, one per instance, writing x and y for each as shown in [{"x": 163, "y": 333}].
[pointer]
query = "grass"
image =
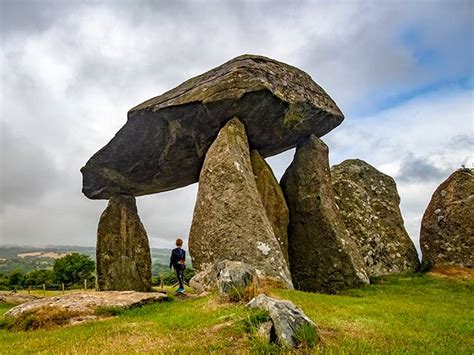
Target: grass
[{"x": 406, "y": 314}]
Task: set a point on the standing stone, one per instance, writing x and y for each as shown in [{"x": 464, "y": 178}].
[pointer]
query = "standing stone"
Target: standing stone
[
  {"x": 447, "y": 228},
  {"x": 323, "y": 257},
  {"x": 229, "y": 219},
  {"x": 273, "y": 199},
  {"x": 368, "y": 202},
  {"x": 123, "y": 252}
]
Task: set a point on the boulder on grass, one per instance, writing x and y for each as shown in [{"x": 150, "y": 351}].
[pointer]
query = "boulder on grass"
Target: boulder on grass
[
  {"x": 447, "y": 228},
  {"x": 368, "y": 202},
  {"x": 233, "y": 278},
  {"x": 290, "y": 325}
]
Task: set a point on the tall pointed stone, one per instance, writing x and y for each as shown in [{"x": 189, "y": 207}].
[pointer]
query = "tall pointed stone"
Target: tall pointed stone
[
  {"x": 123, "y": 252},
  {"x": 323, "y": 257},
  {"x": 272, "y": 198},
  {"x": 368, "y": 202},
  {"x": 229, "y": 219}
]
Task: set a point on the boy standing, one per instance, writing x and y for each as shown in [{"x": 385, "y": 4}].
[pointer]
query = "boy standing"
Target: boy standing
[{"x": 178, "y": 262}]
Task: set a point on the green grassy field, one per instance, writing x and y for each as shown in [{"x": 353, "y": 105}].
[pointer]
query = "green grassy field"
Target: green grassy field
[{"x": 411, "y": 314}]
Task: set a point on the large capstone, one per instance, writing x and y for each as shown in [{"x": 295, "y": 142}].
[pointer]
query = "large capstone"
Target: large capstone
[
  {"x": 229, "y": 220},
  {"x": 323, "y": 257},
  {"x": 123, "y": 252},
  {"x": 163, "y": 144},
  {"x": 368, "y": 202},
  {"x": 447, "y": 228},
  {"x": 272, "y": 198}
]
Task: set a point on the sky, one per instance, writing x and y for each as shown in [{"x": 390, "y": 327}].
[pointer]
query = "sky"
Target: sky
[{"x": 401, "y": 71}]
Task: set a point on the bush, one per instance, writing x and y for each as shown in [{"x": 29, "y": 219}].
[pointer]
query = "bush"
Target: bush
[{"x": 39, "y": 277}]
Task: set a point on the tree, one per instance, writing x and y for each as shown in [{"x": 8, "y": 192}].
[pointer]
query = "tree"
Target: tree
[
  {"x": 74, "y": 268},
  {"x": 17, "y": 278},
  {"x": 39, "y": 277}
]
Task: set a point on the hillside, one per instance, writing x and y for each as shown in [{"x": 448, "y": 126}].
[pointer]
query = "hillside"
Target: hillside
[
  {"x": 27, "y": 258},
  {"x": 406, "y": 314}
]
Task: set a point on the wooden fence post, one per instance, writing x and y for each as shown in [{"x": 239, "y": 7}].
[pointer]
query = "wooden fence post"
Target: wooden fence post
[
  {"x": 85, "y": 285},
  {"x": 161, "y": 280},
  {"x": 62, "y": 287},
  {"x": 44, "y": 289},
  {"x": 29, "y": 289}
]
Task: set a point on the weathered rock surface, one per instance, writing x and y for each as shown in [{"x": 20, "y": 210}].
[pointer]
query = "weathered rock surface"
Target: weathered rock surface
[
  {"x": 163, "y": 144},
  {"x": 368, "y": 202},
  {"x": 447, "y": 228},
  {"x": 287, "y": 319},
  {"x": 233, "y": 277},
  {"x": 9, "y": 297},
  {"x": 272, "y": 198},
  {"x": 229, "y": 219},
  {"x": 123, "y": 252},
  {"x": 84, "y": 305},
  {"x": 323, "y": 257}
]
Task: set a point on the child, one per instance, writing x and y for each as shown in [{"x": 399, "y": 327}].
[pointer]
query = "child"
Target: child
[{"x": 178, "y": 262}]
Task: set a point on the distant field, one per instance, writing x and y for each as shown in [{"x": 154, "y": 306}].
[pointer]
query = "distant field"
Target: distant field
[
  {"x": 409, "y": 314},
  {"x": 27, "y": 259}
]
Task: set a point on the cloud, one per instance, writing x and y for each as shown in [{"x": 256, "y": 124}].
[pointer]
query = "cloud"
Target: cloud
[{"x": 71, "y": 70}]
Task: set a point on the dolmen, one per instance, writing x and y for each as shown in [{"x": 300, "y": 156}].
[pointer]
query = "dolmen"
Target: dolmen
[{"x": 218, "y": 128}]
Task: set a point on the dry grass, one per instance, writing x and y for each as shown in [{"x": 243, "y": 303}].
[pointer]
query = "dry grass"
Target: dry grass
[
  {"x": 47, "y": 317},
  {"x": 453, "y": 272}
]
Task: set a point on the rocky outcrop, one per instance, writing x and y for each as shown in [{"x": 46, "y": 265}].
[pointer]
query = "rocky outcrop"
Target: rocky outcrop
[
  {"x": 447, "y": 228},
  {"x": 123, "y": 252},
  {"x": 287, "y": 320},
  {"x": 272, "y": 198},
  {"x": 10, "y": 297},
  {"x": 368, "y": 202},
  {"x": 323, "y": 257},
  {"x": 163, "y": 144},
  {"x": 229, "y": 220},
  {"x": 83, "y": 306}
]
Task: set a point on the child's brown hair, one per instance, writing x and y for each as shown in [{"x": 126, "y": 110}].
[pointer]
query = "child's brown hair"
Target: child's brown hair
[{"x": 179, "y": 242}]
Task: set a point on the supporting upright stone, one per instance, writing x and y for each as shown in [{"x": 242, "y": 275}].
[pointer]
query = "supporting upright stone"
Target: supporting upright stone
[
  {"x": 123, "y": 252},
  {"x": 447, "y": 228},
  {"x": 272, "y": 198},
  {"x": 323, "y": 257},
  {"x": 229, "y": 219},
  {"x": 368, "y": 202}
]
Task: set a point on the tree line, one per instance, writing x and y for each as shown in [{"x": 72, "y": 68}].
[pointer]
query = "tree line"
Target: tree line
[{"x": 72, "y": 269}]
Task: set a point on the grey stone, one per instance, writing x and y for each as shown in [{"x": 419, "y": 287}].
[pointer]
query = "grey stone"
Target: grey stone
[
  {"x": 123, "y": 252},
  {"x": 287, "y": 319},
  {"x": 323, "y": 257},
  {"x": 229, "y": 220},
  {"x": 163, "y": 144},
  {"x": 84, "y": 304},
  {"x": 233, "y": 277},
  {"x": 447, "y": 228},
  {"x": 368, "y": 202},
  {"x": 272, "y": 198}
]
